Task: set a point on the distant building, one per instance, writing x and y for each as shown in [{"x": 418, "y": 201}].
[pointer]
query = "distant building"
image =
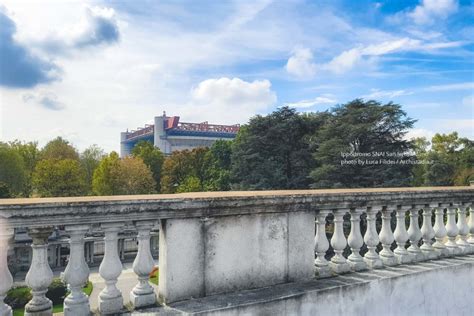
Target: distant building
[{"x": 169, "y": 134}]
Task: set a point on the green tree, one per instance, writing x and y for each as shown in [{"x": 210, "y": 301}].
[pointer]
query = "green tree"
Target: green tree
[
  {"x": 363, "y": 127},
  {"x": 218, "y": 166},
  {"x": 30, "y": 154},
  {"x": 115, "y": 176},
  {"x": 105, "y": 181},
  {"x": 152, "y": 157},
  {"x": 176, "y": 168},
  {"x": 13, "y": 173},
  {"x": 59, "y": 148},
  {"x": 63, "y": 177},
  {"x": 90, "y": 159},
  {"x": 273, "y": 151},
  {"x": 135, "y": 177}
]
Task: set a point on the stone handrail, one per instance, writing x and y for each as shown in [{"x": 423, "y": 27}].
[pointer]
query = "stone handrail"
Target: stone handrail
[{"x": 217, "y": 242}]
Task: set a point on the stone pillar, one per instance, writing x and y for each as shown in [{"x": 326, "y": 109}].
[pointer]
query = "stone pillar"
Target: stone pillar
[
  {"x": 470, "y": 240},
  {"x": 143, "y": 293},
  {"x": 401, "y": 237},
  {"x": 321, "y": 246},
  {"x": 440, "y": 233},
  {"x": 338, "y": 242},
  {"x": 463, "y": 231},
  {"x": 355, "y": 241},
  {"x": 39, "y": 276},
  {"x": 414, "y": 234},
  {"x": 452, "y": 231},
  {"x": 371, "y": 238},
  {"x": 76, "y": 273},
  {"x": 6, "y": 279},
  {"x": 110, "y": 298},
  {"x": 428, "y": 234},
  {"x": 386, "y": 238},
  {"x": 58, "y": 255}
]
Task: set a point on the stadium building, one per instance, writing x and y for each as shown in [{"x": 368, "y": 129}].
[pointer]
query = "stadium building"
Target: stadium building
[{"x": 169, "y": 134}]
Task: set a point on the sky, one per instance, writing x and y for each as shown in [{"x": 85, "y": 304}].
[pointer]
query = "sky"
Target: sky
[{"x": 87, "y": 70}]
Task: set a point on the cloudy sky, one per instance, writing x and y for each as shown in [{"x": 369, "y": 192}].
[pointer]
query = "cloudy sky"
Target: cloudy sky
[{"x": 89, "y": 70}]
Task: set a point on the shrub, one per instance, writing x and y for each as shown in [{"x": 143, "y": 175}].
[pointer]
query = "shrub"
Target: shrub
[
  {"x": 18, "y": 297},
  {"x": 57, "y": 291}
]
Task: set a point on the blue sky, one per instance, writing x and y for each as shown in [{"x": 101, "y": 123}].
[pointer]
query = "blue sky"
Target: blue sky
[{"x": 88, "y": 70}]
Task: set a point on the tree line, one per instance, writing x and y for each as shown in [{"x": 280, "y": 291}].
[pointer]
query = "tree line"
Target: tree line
[{"x": 357, "y": 144}]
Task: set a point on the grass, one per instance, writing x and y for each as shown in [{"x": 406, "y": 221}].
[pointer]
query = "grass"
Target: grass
[
  {"x": 58, "y": 308},
  {"x": 154, "y": 276}
]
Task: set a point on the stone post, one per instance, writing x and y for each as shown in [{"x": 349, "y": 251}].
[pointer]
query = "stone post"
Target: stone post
[
  {"x": 143, "y": 293},
  {"x": 428, "y": 234},
  {"x": 470, "y": 240},
  {"x": 338, "y": 242},
  {"x": 39, "y": 276},
  {"x": 6, "y": 279},
  {"x": 440, "y": 233},
  {"x": 110, "y": 298},
  {"x": 386, "y": 238},
  {"x": 401, "y": 236},
  {"x": 76, "y": 273},
  {"x": 355, "y": 241},
  {"x": 452, "y": 231},
  {"x": 463, "y": 230},
  {"x": 414, "y": 234},
  {"x": 371, "y": 238},
  {"x": 321, "y": 245}
]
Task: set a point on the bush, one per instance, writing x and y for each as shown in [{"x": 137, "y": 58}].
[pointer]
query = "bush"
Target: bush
[
  {"x": 57, "y": 291},
  {"x": 18, "y": 297}
]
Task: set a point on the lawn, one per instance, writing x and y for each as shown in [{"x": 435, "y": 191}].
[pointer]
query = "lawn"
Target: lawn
[{"x": 154, "y": 276}]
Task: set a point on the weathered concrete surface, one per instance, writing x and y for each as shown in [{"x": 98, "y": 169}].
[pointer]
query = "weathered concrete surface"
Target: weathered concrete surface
[
  {"x": 88, "y": 210},
  {"x": 442, "y": 287},
  {"x": 225, "y": 254}
]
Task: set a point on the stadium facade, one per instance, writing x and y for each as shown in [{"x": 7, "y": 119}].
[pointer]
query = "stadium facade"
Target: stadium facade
[{"x": 169, "y": 134}]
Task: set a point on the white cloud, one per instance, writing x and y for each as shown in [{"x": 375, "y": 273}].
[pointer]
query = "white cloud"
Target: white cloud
[
  {"x": 376, "y": 93},
  {"x": 468, "y": 101},
  {"x": 350, "y": 58},
  {"x": 312, "y": 102},
  {"x": 301, "y": 63},
  {"x": 345, "y": 61},
  {"x": 429, "y": 10},
  {"x": 98, "y": 25},
  {"x": 46, "y": 99},
  {"x": 231, "y": 100}
]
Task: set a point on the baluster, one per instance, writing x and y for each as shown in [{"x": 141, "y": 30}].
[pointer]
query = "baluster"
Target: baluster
[
  {"x": 386, "y": 238},
  {"x": 470, "y": 240},
  {"x": 440, "y": 233},
  {"x": 338, "y": 242},
  {"x": 6, "y": 279},
  {"x": 414, "y": 234},
  {"x": 39, "y": 276},
  {"x": 371, "y": 239},
  {"x": 463, "y": 231},
  {"x": 401, "y": 237},
  {"x": 76, "y": 273},
  {"x": 355, "y": 241},
  {"x": 452, "y": 231},
  {"x": 143, "y": 293},
  {"x": 321, "y": 245},
  {"x": 110, "y": 298},
  {"x": 428, "y": 234}
]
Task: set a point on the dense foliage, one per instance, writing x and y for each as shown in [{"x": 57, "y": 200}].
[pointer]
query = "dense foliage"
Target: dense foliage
[{"x": 282, "y": 150}]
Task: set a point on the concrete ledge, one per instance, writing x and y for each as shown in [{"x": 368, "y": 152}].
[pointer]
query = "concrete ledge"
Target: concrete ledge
[{"x": 442, "y": 287}]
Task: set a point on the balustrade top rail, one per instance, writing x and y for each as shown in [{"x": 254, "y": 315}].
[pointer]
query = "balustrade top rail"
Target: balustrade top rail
[{"x": 38, "y": 212}]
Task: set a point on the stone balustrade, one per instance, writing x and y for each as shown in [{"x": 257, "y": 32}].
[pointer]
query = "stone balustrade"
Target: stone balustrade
[{"x": 221, "y": 242}]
